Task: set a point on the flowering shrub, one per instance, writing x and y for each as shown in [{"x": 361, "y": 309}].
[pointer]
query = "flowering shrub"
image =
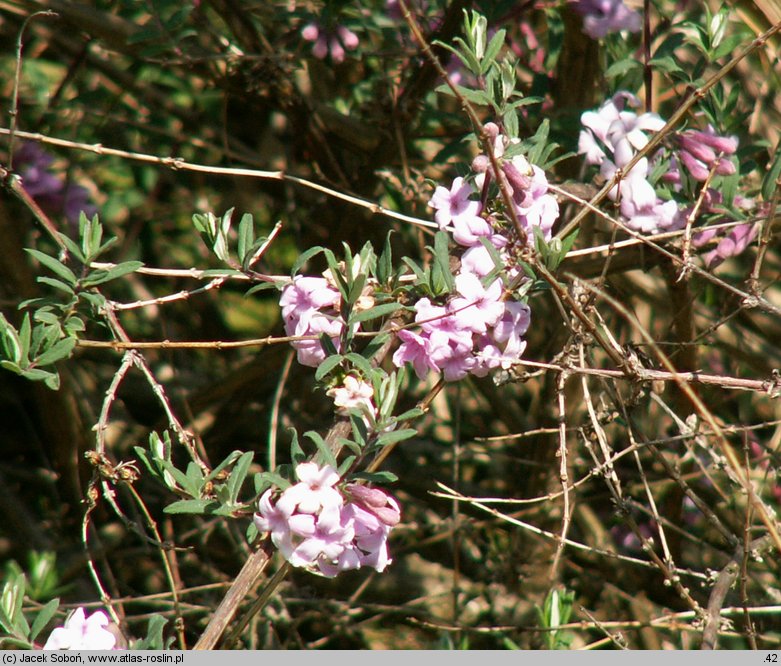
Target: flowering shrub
[{"x": 509, "y": 275}]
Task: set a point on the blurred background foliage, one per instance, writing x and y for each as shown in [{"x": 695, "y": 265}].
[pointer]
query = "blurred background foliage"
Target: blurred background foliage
[{"x": 232, "y": 83}]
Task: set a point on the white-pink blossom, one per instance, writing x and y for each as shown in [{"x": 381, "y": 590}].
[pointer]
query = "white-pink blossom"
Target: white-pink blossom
[
  {"x": 318, "y": 528},
  {"x": 82, "y": 633}
]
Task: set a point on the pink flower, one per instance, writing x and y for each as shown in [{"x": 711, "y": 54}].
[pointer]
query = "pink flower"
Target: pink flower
[
  {"x": 477, "y": 260},
  {"x": 478, "y": 308},
  {"x": 353, "y": 394},
  {"x": 314, "y": 492},
  {"x": 311, "y": 352},
  {"x": 454, "y": 203},
  {"x": 82, "y": 633},
  {"x": 601, "y": 17},
  {"x": 415, "y": 349},
  {"x": 510, "y": 330},
  {"x": 326, "y": 42},
  {"x": 305, "y": 295}
]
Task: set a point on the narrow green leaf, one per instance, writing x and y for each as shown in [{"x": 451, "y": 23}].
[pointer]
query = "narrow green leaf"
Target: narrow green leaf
[
  {"x": 72, "y": 247},
  {"x": 263, "y": 286},
  {"x": 246, "y": 237},
  {"x": 385, "y": 262},
  {"x": 54, "y": 265},
  {"x": 414, "y": 413},
  {"x": 396, "y": 436},
  {"x": 492, "y": 50},
  {"x": 376, "y": 477},
  {"x": 61, "y": 349},
  {"x": 297, "y": 454},
  {"x": 303, "y": 258},
  {"x": 101, "y": 276},
  {"x": 232, "y": 457},
  {"x": 361, "y": 363},
  {"x": 57, "y": 284},
  {"x": 375, "y": 344},
  {"x": 42, "y": 618},
  {"x": 238, "y": 475},
  {"x": 327, "y": 365},
  {"x": 374, "y": 313},
  {"x": 325, "y": 454},
  {"x": 769, "y": 182},
  {"x": 200, "y": 506}
]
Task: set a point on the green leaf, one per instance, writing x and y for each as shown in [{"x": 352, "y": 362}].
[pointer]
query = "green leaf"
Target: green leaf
[
  {"x": 442, "y": 260},
  {"x": 361, "y": 363},
  {"x": 326, "y": 456},
  {"x": 396, "y": 436},
  {"x": 351, "y": 445},
  {"x": 271, "y": 478},
  {"x": 492, "y": 50},
  {"x": 375, "y": 344},
  {"x": 346, "y": 464},
  {"x": 621, "y": 67},
  {"x": 297, "y": 454},
  {"x": 238, "y": 475},
  {"x": 666, "y": 64},
  {"x": 73, "y": 248},
  {"x": 263, "y": 286},
  {"x": 57, "y": 284},
  {"x": 327, "y": 365},
  {"x": 101, "y": 275},
  {"x": 414, "y": 413},
  {"x": 201, "y": 506},
  {"x": 246, "y": 237},
  {"x": 374, "y": 313},
  {"x": 474, "y": 96},
  {"x": 54, "y": 265},
  {"x": 385, "y": 262},
  {"x": 61, "y": 349},
  {"x": 769, "y": 182},
  {"x": 12, "y": 346},
  {"x": 376, "y": 477},
  {"x": 232, "y": 457},
  {"x": 464, "y": 55},
  {"x": 42, "y": 618},
  {"x": 304, "y": 257}
]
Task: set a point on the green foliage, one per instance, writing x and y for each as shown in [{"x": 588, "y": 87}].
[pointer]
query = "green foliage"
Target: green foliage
[{"x": 555, "y": 612}]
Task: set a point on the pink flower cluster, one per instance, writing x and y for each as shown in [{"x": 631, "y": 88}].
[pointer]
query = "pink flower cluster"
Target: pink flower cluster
[
  {"x": 478, "y": 329},
  {"x": 310, "y": 307},
  {"x": 82, "y": 633},
  {"x": 51, "y": 192},
  {"x": 610, "y": 138},
  {"x": 601, "y": 17},
  {"x": 702, "y": 151},
  {"x": 316, "y": 526},
  {"x": 333, "y": 43},
  {"x": 732, "y": 244},
  {"x": 534, "y": 206}
]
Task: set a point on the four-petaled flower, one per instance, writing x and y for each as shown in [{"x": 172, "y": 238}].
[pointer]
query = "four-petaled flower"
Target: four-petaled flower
[{"x": 82, "y": 633}]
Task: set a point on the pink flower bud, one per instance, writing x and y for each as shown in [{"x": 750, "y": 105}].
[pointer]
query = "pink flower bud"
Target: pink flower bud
[
  {"x": 480, "y": 164},
  {"x": 690, "y": 142},
  {"x": 349, "y": 38},
  {"x": 697, "y": 169},
  {"x": 310, "y": 32},
  {"x": 725, "y": 167},
  {"x": 491, "y": 130},
  {"x": 519, "y": 182},
  {"x": 375, "y": 501}
]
